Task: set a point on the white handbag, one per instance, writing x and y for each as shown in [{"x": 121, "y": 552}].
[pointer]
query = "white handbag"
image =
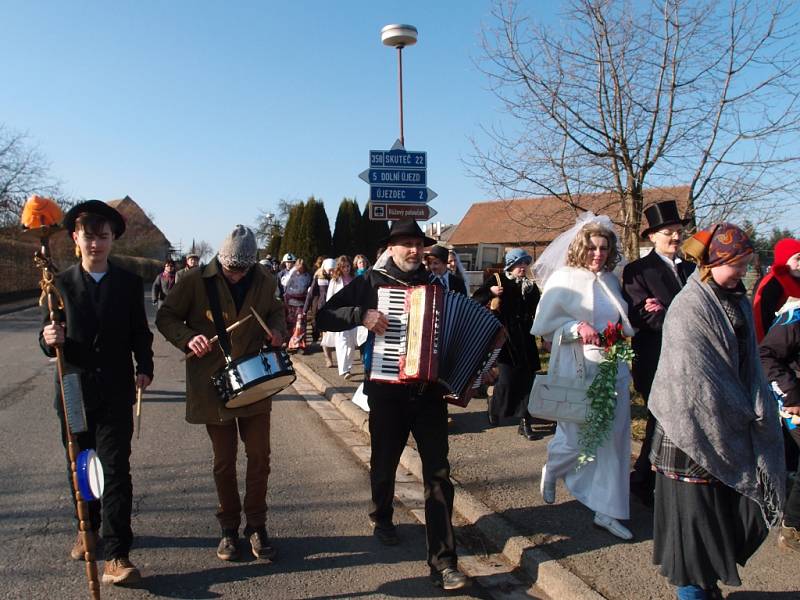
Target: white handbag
[{"x": 559, "y": 398}]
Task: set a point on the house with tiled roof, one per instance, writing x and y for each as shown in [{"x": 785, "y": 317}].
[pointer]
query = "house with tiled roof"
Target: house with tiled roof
[
  {"x": 142, "y": 236},
  {"x": 489, "y": 228}
]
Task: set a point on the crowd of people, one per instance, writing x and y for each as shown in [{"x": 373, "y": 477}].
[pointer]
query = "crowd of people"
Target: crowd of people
[{"x": 714, "y": 460}]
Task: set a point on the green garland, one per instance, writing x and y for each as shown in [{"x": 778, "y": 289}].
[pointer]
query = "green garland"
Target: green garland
[{"x": 603, "y": 399}]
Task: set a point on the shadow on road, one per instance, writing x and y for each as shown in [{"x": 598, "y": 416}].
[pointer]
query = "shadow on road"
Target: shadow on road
[
  {"x": 151, "y": 395},
  {"x": 566, "y": 529},
  {"x": 296, "y": 555}
]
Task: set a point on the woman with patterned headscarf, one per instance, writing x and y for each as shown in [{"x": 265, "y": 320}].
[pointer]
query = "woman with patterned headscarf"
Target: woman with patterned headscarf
[{"x": 720, "y": 473}]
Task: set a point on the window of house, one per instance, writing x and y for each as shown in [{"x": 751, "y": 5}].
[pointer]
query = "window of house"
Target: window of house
[{"x": 489, "y": 255}]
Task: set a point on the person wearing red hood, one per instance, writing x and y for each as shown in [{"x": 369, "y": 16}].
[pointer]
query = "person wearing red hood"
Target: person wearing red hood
[{"x": 782, "y": 282}]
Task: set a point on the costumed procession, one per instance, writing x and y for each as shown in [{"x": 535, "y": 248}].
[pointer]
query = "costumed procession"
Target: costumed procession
[
  {"x": 559, "y": 362},
  {"x": 676, "y": 326}
]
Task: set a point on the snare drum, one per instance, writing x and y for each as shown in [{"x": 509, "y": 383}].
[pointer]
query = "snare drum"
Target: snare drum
[{"x": 254, "y": 377}]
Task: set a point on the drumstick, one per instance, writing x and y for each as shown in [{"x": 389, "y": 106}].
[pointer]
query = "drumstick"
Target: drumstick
[
  {"x": 261, "y": 321},
  {"x": 216, "y": 337},
  {"x": 138, "y": 411}
]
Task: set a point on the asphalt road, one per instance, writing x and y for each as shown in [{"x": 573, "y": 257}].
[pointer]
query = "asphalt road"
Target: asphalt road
[
  {"x": 501, "y": 469},
  {"x": 318, "y": 497}
]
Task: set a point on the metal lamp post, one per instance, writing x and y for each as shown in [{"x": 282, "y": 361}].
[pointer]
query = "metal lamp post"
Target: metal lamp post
[{"x": 399, "y": 36}]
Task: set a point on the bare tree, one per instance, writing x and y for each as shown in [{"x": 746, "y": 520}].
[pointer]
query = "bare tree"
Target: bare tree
[
  {"x": 203, "y": 249},
  {"x": 23, "y": 171},
  {"x": 657, "y": 94},
  {"x": 270, "y": 224}
]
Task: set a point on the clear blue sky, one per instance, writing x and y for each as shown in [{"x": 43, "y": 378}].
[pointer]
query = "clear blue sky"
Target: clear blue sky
[{"x": 206, "y": 112}]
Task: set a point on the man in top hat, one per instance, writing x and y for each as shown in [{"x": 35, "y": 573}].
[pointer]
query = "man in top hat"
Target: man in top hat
[
  {"x": 192, "y": 261},
  {"x": 436, "y": 259},
  {"x": 397, "y": 410},
  {"x": 103, "y": 324},
  {"x": 186, "y": 320},
  {"x": 649, "y": 284}
]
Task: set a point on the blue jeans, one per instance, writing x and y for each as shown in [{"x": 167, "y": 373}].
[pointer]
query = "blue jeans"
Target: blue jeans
[
  {"x": 691, "y": 592},
  {"x": 695, "y": 592}
]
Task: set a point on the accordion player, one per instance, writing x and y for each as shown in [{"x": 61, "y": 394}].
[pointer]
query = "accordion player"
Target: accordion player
[{"x": 434, "y": 337}]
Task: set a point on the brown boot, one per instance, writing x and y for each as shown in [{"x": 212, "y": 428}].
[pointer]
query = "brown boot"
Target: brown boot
[
  {"x": 120, "y": 571},
  {"x": 789, "y": 538},
  {"x": 78, "y": 551}
]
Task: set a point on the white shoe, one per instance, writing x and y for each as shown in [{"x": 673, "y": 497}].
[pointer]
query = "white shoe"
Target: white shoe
[
  {"x": 613, "y": 526},
  {"x": 547, "y": 488}
]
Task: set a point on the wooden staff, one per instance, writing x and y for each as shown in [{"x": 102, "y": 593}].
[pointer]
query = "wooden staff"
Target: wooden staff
[
  {"x": 55, "y": 305},
  {"x": 215, "y": 339}
]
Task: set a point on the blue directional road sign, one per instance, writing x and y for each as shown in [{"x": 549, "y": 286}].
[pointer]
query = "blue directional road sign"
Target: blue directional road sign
[
  {"x": 398, "y": 158},
  {"x": 398, "y": 177},
  {"x": 386, "y": 193}
]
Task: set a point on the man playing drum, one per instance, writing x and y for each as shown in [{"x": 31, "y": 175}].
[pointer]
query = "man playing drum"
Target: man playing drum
[{"x": 185, "y": 319}]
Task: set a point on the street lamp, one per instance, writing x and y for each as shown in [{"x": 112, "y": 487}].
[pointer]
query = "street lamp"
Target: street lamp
[{"x": 399, "y": 36}]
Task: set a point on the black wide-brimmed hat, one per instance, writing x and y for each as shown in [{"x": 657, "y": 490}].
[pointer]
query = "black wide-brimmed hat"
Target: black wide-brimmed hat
[
  {"x": 407, "y": 228},
  {"x": 439, "y": 252},
  {"x": 660, "y": 215},
  {"x": 95, "y": 207}
]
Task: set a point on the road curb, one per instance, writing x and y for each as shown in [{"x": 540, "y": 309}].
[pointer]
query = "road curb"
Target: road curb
[
  {"x": 12, "y": 307},
  {"x": 553, "y": 579}
]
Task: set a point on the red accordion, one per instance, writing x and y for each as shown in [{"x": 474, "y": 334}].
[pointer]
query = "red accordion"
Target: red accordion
[{"x": 435, "y": 337}]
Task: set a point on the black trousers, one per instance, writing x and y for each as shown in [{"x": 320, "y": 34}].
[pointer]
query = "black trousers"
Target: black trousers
[
  {"x": 394, "y": 413},
  {"x": 110, "y": 430}
]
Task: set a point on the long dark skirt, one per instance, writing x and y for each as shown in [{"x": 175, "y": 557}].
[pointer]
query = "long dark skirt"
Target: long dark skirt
[
  {"x": 511, "y": 390},
  {"x": 701, "y": 532}
]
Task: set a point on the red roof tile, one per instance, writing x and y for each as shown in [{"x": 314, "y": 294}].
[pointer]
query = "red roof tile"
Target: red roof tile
[{"x": 526, "y": 221}]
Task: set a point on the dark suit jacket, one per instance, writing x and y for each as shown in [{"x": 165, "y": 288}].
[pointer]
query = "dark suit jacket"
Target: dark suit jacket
[
  {"x": 100, "y": 346},
  {"x": 649, "y": 277},
  {"x": 455, "y": 283}
]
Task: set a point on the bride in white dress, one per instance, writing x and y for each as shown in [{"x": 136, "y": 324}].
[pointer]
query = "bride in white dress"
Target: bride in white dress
[{"x": 579, "y": 299}]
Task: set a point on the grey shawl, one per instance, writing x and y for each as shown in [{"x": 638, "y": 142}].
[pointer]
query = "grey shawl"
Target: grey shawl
[{"x": 727, "y": 426}]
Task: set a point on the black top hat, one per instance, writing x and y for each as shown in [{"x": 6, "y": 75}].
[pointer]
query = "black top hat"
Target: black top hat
[
  {"x": 406, "y": 228},
  {"x": 439, "y": 252},
  {"x": 660, "y": 215},
  {"x": 95, "y": 207}
]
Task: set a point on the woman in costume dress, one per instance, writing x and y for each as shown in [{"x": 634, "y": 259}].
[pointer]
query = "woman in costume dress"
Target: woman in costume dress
[
  {"x": 519, "y": 358},
  {"x": 343, "y": 341},
  {"x": 317, "y": 292},
  {"x": 578, "y": 301},
  {"x": 295, "y": 288},
  {"x": 720, "y": 473}
]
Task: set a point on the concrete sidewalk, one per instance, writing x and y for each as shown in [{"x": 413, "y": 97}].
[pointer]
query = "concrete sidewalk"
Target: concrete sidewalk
[{"x": 496, "y": 473}]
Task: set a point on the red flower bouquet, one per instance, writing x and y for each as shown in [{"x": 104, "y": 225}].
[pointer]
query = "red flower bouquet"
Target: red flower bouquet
[{"x": 602, "y": 393}]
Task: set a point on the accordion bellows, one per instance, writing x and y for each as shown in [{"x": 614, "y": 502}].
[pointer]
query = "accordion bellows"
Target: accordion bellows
[{"x": 435, "y": 337}]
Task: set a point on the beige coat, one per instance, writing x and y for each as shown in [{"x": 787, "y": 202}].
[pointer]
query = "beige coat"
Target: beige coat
[{"x": 186, "y": 313}]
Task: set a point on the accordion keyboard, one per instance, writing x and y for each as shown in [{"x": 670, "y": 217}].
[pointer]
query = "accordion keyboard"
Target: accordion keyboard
[{"x": 391, "y": 346}]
